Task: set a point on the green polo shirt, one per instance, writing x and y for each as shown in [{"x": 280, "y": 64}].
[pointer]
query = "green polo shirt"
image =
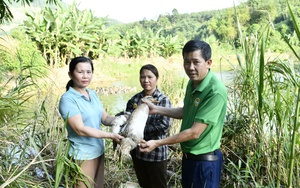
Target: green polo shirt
[{"x": 206, "y": 104}]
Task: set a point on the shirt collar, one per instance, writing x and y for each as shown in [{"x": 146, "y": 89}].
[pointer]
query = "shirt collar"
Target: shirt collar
[
  {"x": 204, "y": 82},
  {"x": 76, "y": 93},
  {"x": 154, "y": 94}
]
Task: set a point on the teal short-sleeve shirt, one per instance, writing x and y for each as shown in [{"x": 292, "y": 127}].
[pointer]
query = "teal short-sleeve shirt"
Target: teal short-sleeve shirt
[
  {"x": 206, "y": 104},
  {"x": 73, "y": 103}
]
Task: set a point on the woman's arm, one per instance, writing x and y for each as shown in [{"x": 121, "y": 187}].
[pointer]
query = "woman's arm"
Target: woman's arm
[{"x": 76, "y": 123}]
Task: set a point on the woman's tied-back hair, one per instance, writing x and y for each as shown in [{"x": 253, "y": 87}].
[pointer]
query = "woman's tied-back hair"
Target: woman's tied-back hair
[
  {"x": 193, "y": 45},
  {"x": 72, "y": 67},
  {"x": 151, "y": 68}
]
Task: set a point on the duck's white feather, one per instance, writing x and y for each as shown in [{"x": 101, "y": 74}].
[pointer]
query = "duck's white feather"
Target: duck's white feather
[{"x": 134, "y": 128}]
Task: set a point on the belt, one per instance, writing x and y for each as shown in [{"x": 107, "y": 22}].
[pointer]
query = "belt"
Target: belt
[{"x": 210, "y": 156}]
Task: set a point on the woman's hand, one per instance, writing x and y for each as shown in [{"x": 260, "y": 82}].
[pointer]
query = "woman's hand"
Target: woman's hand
[{"x": 116, "y": 137}]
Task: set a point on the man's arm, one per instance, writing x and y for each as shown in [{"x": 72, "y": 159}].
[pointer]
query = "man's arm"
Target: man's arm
[
  {"x": 175, "y": 113},
  {"x": 189, "y": 134}
]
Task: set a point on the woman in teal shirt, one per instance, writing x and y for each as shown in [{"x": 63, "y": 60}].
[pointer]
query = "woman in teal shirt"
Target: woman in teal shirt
[{"x": 84, "y": 113}]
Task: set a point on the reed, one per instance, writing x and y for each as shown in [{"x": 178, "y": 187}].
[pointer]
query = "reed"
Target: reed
[
  {"x": 262, "y": 129},
  {"x": 293, "y": 78}
]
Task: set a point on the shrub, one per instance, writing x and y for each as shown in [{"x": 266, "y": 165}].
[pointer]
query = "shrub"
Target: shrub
[{"x": 22, "y": 53}]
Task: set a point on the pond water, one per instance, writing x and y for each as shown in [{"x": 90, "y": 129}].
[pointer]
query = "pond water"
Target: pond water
[
  {"x": 226, "y": 76},
  {"x": 115, "y": 97}
]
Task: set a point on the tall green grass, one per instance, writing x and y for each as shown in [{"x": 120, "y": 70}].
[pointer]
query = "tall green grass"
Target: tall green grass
[
  {"x": 18, "y": 122},
  {"x": 261, "y": 136}
]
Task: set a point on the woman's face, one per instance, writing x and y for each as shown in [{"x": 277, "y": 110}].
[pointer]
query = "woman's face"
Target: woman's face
[
  {"x": 82, "y": 75},
  {"x": 148, "y": 81}
]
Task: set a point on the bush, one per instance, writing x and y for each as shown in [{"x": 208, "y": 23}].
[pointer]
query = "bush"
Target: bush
[{"x": 23, "y": 53}]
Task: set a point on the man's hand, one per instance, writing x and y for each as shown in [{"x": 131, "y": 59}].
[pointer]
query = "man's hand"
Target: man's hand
[
  {"x": 148, "y": 146},
  {"x": 151, "y": 105}
]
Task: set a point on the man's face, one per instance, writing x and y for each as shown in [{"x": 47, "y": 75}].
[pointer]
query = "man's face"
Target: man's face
[{"x": 195, "y": 66}]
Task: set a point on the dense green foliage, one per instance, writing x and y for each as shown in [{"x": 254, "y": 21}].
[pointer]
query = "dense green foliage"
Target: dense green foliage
[
  {"x": 22, "y": 53},
  {"x": 65, "y": 32},
  {"x": 221, "y": 25}
]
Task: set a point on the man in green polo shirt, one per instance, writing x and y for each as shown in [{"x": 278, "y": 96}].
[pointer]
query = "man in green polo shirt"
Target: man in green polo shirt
[{"x": 203, "y": 116}]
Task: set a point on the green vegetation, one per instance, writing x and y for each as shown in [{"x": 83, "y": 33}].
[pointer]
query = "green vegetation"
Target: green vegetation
[
  {"x": 261, "y": 135},
  {"x": 63, "y": 32},
  {"x": 263, "y": 119}
]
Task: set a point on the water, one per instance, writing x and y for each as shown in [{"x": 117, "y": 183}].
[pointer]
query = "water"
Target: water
[
  {"x": 226, "y": 76},
  {"x": 115, "y": 101}
]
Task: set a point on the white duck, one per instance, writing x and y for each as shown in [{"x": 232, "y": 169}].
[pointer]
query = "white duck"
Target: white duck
[{"x": 133, "y": 130}]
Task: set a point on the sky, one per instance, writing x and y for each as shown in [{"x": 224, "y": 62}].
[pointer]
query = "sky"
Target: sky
[{"x": 135, "y": 10}]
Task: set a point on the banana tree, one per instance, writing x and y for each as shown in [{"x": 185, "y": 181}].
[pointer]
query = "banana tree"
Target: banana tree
[
  {"x": 65, "y": 32},
  {"x": 154, "y": 42},
  {"x": 170, "y": 45}
]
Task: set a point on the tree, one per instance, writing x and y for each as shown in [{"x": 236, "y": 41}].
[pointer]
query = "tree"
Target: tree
[
  {"x": 66, "y": 32},
  {"x": 5, "y": 13}
]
